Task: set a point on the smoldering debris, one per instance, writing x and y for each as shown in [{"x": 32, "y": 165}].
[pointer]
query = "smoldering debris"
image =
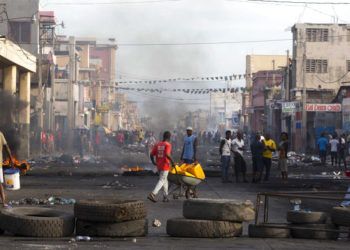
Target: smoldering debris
[{"x": 9, "y": 106}]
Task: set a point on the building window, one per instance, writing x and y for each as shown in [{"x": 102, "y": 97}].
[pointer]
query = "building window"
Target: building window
[
  {"x": 316, "y": 35},
  {"x": 20, "y": 31},
  {"x": 348, "y": 65},
  {"x": 316, "y": 66}
]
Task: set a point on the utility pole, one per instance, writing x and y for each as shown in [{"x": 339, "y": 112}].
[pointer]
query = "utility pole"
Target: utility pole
[
  {"x": 40, "y": 93},
  {"x": 304, "y": 114},
  {"x": 70, "y": 92}
]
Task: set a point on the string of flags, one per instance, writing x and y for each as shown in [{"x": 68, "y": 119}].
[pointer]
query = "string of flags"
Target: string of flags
[
  {"x": 187, "y": 91},
  {"x": 181, "y": 79}
]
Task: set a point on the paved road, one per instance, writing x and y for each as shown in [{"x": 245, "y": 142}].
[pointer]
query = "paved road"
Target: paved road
[{"x": 82, "y": 183}]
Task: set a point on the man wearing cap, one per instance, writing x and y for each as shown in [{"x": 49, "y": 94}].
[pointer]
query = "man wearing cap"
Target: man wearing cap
[
  {"x": 189, "y": 149},
  {"x": 3, "y": 144}
]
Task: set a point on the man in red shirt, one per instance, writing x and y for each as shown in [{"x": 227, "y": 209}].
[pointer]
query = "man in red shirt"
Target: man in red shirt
[{"x": 162, "y": 152}]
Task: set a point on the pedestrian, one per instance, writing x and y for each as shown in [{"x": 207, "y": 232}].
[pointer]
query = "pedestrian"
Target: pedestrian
[
  {"x": 240, "y": 165},
  {"x": 270, "y": 147},
  {"x": 225, "y": 153},
  {"x": 3, "y": 144},
  {"x": 322, "y": 148},
  {"x": 162, "y": 152},
  {"x": 342, "y": 151},
  {"x": 189, "y": 149},
  {"x": 43, "y": 137},
  {"x": 257, "y": 149},
  {"x": 50, "y": 142},
  {"x": 282, "y": 159},
  {"x": 334, "y": 150}
]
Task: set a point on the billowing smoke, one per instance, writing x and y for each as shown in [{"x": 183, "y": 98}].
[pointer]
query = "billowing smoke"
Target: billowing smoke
[{"x": 10, "y": 106}]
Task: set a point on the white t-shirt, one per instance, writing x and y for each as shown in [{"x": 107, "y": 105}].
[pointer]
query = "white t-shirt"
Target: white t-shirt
[
  {"x": 334, "y": 145},
  {"x": 226, "y": 149},
  {"x": 238, "y": 144}
]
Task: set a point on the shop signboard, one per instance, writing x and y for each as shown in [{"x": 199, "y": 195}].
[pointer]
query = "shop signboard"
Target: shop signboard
[
  {"x": 316, "y": 107},
  {"x": 290, "y": 107}
]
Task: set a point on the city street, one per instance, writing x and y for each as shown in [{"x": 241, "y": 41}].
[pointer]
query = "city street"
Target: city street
[{"x": 89, "y": 182}]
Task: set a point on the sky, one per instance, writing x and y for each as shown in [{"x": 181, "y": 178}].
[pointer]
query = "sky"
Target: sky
[{"x": 189, "y": 21}]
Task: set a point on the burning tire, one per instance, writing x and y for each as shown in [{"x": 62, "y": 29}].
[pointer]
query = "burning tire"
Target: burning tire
[
  {"x": 109, "y": 210},
  {"x": 304, "y": 217},
  {"x": 221, "y": 210},
  {"x": 37, "y": 222},
  {"x": 136, "y": 228},
  {"x": 268, "y": 231},
  {"x": 305, "y": 232},
  {"x": 341, "y": 216},
  {"x": 203, "y": 228}
]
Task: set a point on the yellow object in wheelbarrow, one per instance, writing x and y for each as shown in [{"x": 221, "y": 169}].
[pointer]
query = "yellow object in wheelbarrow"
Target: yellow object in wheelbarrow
[
  {"x": 196, "y": 170},
  {"x": 180, "y": 171},
  {"x": 191, "y": 170}
]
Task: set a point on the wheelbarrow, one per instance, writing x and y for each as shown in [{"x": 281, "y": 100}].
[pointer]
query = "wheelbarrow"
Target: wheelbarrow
[{"x": 185, "y": 183}]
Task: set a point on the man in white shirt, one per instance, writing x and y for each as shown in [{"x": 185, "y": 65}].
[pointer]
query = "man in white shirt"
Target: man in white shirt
[
  {"x": 334, "y": 150},
  {"x": 3, "y": 144},
  {"x": 237, "y": 149},
  {"x": 225, "y": 152}
]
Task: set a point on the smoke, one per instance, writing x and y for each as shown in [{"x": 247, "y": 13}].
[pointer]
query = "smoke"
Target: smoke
[{"x": 9, "y": 106}]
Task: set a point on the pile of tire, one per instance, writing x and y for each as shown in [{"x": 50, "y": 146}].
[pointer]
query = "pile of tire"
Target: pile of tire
[
  {"x": 311, "y": 225},
  {"x": 341, "y": 217},
  {"x": 111, "y": 218},
  {"x": 211, "y": 218},
  {"x": 37, "y": 222}
]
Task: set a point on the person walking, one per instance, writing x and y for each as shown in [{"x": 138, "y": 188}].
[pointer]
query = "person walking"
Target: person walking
[
  {"x": 342, "y": 151},
  {"x": 189, "y": 149},
  {"x": 225, "y": 153},
  {"x": 334, "y": 150},
  {"x": 322, "y": 148},
  {"x": 270, "y": 147},
  {"x": 162, "y": 152},
  {"x": 282, "y": 159},
  {"x": 240, "y": 164},
  {"x": 3, "y": 144},
  {"x": 257, "y": 149}
]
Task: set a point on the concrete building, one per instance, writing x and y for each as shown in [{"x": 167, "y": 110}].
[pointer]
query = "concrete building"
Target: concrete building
[
  {"x": 320, "y": 66},
  {"x": 266, "y": 92},
  {"x": 255, "y": 63},
  {"x": 21, "y": 23},
  {"x": 17, "y": 65}
]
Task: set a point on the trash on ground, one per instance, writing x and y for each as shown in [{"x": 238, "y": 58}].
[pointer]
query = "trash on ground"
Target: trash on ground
[{"x": 156, "y": 223}]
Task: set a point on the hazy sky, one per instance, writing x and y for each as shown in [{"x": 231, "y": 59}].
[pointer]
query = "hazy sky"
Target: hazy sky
[{"x": 188, "y": 21}]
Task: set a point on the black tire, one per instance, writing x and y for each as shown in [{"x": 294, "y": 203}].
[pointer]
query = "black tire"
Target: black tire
[
  {"x": 37, "y": 222},
  {"x": 109, "y": 210},
  {"x": 218, "y": 209},
  {"x": 341, "y": 216},
  {"x": 268, "y": 231},
  {"x": 304, "y": 217},
  {"x": 202, "y": 228},
  {"x": 311, "y": 234},
  {"x": 136, "y": 228}
]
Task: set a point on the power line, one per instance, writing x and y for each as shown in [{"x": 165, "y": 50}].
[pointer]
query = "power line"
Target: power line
[
  {"x": 110, "y": 3},
  {"x": 295, "y": 2}
]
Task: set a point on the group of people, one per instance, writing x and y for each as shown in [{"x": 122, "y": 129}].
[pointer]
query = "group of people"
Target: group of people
[
  {"x": 335, "y": 146},
  {"x": 262, "y": 149}
]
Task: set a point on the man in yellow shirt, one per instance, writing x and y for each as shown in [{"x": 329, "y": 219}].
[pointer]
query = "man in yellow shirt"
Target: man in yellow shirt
[{"x": 270, "y": 147}]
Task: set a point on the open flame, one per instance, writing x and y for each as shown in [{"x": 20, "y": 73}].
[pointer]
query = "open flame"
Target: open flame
[
  {"x": 23, "y": 166},
  {"x": 132, "y": 169}
]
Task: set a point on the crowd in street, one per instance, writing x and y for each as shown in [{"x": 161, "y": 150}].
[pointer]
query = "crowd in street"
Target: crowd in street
[
  {"x": 262, "y": 149},
  {"x": 336, "y": 146}
]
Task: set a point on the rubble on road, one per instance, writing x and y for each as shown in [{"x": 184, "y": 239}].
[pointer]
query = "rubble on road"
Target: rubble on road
[
  {"x": 50, "y": 201},
  {"x": 118, "y": 185}
]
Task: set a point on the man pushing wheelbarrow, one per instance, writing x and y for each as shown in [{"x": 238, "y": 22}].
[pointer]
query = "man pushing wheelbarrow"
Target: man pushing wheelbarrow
[{"x": 162, "y": 152}]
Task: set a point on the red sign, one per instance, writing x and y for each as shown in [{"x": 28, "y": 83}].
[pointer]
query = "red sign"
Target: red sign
[{"x": 323, "y": 107}]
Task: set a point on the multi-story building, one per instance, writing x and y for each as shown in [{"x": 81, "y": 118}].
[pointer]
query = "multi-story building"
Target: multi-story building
[
  {"x": 255, "y": 63},
  {"x": 320, "y": 66},
  {"x": 266, "y": 92}
]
